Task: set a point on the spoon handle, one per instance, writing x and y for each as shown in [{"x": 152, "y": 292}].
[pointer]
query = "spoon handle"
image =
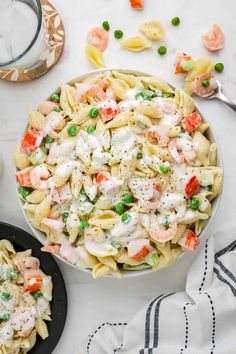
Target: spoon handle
[{"x": 220, "y": 96}]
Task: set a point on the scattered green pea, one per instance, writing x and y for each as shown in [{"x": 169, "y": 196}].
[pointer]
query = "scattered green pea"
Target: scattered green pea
[
  {"x": 58, "y": 109},
  {"x": 205, "y": 83},
  {"x": 139, "y": 155},
  {"x": 93, "y": 113},
  {"x": 90, "y": 130},
  {"x": 5, "y": 296},
  {"x": 125, "y": 217},
  {"x": 127, "y": 198},
  {"x": 106, "y": 25},
  {"x": 164, "y": 168},
  {"x": 37, "y": 294},
  {"x": 166, "y": 222},
  {"x": 64, "y": 215},
  {"x": 13, "y": 275},
  {"x": 55, "y": 98},
  {"x": 118, "y": 34},
  {"x": 84, "y": 225},
  {"x": 119, "y": 208},
  {"x": 72, "y": 130},
  {"x": 162, "y": 50},
  {"x": 24, "y": 192},
  {"x": 5, "y": 317},
  {"x": 175, "y": 21},
  {"x": 48, "y": 139},
  {"x": 194, "y": 203},
  {"x": 219, "y": 67}
]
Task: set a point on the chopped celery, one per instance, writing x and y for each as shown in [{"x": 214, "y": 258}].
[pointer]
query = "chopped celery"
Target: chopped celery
[
  {"x": 37, "y": 157},
  {"x": 152, "y": 259}
]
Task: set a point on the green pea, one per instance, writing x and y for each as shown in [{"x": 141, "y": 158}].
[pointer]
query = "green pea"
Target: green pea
[
  {"x": 72, "y": 130},
  {"x": 175, "y": 21},
  {"x": 37, "y": 294},
  {"x": 84, "y": 225},
  {"x": 5, "y": 296},
  {"x": 48, "y": 139},
  {"x": 209, "y": 188},
  {"x": 118, "y": 34},
  {"x": 164, "y": 168},
  {"x": 93, "y": 113},
  {"x": 194, "y": 203},
  {"x": 206, "y": 83},
  {"x": 13, "y": 275},
  {"x": 64, "y": 215},
  {"x": 166, "y": 222},
  {"x": 125, "y": 217},
  {"x": 162, "y": 50},
  {"x": 55, "y": 98},
  {"x": 106, "y": 25},
  {"x": 120, "y": 208},
  {"x": 90, "y": 130},
  {"x": 127, "y": 198},
  {"x": 24, "y": 192},
  {"x": 58, "y": 109},
  {"x": 139, "y": 95},
  {"x": 5, "y": 317},
  {"x": 219, "y": 67},
  {"x": 139, "y": 155}
]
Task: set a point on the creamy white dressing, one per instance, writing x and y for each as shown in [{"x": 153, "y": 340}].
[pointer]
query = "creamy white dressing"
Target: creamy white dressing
[{"x": 123, "y": 228}]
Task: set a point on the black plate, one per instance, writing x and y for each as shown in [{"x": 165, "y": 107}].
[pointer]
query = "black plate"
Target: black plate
[{"x": 21, "y": 241}]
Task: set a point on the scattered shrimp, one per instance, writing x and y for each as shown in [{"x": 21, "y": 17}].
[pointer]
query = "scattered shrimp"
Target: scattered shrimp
[
  {"x": 215, "y": 39},
  {"x": 159, "y": 233},
  {"x": 198, "y": 87},
  {"x": 39, "y": 176},
  {"x": 98, "y": 37},
  {"x": 51, "y": 249},
  {"x": 95, "y": 92},
  {"x": 23, "y": 320},
  {"x": 69, "y": 253},
  {"x": 54, "y": 225},
  {"x": 182, "y": 149},
  {"x": 53, "y": 121},
  {"x": 26, "y": 264},
  {"x": 65, "y": 193},
  {"x": 106, "y": 86},
  {"x": 158, "y": 136}
]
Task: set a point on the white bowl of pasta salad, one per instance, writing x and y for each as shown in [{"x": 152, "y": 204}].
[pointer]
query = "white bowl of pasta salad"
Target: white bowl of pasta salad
[{"x": 117, "y": 173}]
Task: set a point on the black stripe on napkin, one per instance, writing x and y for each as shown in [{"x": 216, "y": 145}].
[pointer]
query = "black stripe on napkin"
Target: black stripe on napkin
[
  {"x": 205, "y": 268},
  {"x": 226, "y": 270},
  {"x": 228, "y": 248},
  {"x": 220, "y": 277}
]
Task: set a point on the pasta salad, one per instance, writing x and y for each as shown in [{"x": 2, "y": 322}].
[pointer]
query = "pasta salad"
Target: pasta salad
[
  {"x": 118, "y": 172},
  {"x": 25, "y": 295}
]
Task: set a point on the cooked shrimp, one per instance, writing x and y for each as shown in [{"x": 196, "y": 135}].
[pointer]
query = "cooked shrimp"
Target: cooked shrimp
[
  {"x": 39, "y": 176},
  {"x": 69, "y": 253},
  {"x": 65, "y": 193},
  {"x": 51, "y": 249},
  {"x": 215, "y": 39},
  {"x": 47, "y": 107},
  {"x": 95, "y": 92},
  {"x": 106, "y": 86},
  {"x": 182, "y": 149},
  {"x": 26, "y": 264},
  {"x": 98, "y": 37},
  {"x": 159, "y": 233},
  {"x": 198, "y": 87},
  {"x": 53, "y": 122},
  {"x": 158, "y": 136},
  {"x": 23, "y": 320},
  {"x": 54, "y": 225}
]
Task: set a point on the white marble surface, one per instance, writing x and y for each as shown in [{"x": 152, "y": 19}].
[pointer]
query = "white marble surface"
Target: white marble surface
[{"x": 91, "y": 302}]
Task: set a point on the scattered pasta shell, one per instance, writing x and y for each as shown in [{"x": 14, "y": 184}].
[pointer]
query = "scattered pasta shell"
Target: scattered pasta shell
[
  {"x": 153, "y": 30},
  {"x": 95, "y": 56},
  {"x": 136, "y": 44}
]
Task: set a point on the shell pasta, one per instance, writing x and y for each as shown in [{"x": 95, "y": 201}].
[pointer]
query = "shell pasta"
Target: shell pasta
[
  {"x": 118, "y": 172},
  {"x": 25, "y": 295}
]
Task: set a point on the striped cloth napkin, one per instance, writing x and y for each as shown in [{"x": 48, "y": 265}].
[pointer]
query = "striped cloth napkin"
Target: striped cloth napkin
[{"x": 201, "y": 320}]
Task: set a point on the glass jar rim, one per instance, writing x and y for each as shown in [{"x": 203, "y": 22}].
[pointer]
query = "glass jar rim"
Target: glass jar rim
[{"x": 21, "y": 55}]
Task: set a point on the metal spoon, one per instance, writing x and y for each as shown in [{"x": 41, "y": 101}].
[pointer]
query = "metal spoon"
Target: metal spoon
[{"x": 218, "y": 94}]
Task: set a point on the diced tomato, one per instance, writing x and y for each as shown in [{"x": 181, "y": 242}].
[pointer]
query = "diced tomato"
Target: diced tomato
[
  {"x": 101, "y": 177},
  {"x": 191, "y": 122},
  {"x": 31, "y": 141},
  {"x": 108, "y": 113},
  {"x": 190, "y": 240},
  {"x": 180, "y": 58},
  {"x": 141, "y": 254},
  {"x": 157, "y": 186},
  {"x": 136, "y": 4},
  {"x": 192, "y": 186},
  {"x": 32, "y": 282},
  {"x": 23, "y": 177}
]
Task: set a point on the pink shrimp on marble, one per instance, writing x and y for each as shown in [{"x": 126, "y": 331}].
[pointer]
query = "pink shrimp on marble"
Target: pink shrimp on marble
[
  {"x": 198, "y": 87},
  {"x": 215, "y": 39},
  {"x": 98, "y": 37}
]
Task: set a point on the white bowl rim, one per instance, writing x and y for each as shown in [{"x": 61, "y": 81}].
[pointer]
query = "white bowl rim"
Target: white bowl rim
[{"x": 215, "y": 204}]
